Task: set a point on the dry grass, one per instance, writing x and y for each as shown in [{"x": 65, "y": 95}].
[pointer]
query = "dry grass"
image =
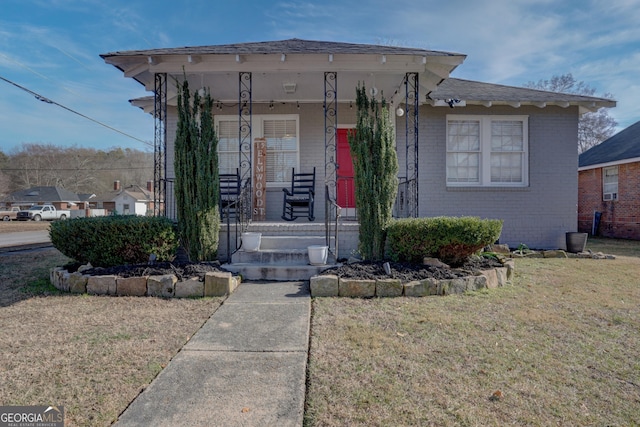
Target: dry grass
[
  {"x": 91, "y": 354},
  {"x": 559, "y": 347},
  {"x": 15, "y": 226}
]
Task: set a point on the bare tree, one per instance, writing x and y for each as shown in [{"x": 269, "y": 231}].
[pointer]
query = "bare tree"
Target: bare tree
[
  {"x": 593, "y": 128},
  {"x": 80, "y": 170}
]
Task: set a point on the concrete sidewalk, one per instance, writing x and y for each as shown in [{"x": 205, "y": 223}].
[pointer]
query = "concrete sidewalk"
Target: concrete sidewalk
[{"x": 245, "y": 367}]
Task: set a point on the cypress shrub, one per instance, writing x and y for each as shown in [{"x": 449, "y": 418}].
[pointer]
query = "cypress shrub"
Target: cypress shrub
[
  {"x": 375, "y": 168},
  {"x": 115, "y": 240},
  {"x": 451, "y": 239},
  {"x": 197, "y": 185}
]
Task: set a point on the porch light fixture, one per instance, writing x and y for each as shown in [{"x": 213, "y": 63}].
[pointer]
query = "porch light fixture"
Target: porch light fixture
[
  {"x": 289, "y": 87},
  {"x": 399, "y": 112}
]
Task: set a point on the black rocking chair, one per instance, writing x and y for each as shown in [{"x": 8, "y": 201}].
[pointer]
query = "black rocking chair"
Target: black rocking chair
[
  {"x": 298, "y": 201},
  {"x": 229, "y": 194}
]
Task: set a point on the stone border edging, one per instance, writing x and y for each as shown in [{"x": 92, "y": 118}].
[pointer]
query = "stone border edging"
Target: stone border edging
[
  {"x": 215, "y": 284},
  {"x": 330, "y": 285}
]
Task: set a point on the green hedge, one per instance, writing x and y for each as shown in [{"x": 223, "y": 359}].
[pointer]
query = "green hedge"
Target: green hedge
[
  {"x": 451, "y": 239},
  {"x": 115, "y": 240}
]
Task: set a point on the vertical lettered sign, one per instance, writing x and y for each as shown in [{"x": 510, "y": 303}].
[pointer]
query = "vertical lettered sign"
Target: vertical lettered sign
[{"x": 260, "y": 179}]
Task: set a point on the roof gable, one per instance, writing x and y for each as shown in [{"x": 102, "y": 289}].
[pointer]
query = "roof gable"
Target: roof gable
[{"x": 622, "y": 146}]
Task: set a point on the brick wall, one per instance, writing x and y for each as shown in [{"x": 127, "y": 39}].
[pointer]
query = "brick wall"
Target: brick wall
[{"x": 620, "y": 218}]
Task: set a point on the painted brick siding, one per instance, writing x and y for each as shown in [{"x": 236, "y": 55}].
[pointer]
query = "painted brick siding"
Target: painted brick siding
[
  {"x": 538, "y": 215},
  {"x": 620, "y": 218}
]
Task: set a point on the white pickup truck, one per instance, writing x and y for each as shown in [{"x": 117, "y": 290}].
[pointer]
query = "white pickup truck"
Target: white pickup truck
[{"x": 42, "y": 212}]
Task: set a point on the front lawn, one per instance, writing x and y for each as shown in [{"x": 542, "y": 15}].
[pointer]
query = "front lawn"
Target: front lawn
[{"x": 558, "y": 347}]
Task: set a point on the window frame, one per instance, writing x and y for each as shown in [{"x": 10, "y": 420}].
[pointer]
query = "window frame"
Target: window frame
[
  {"x": 485, "y": 150},
  {"x": 257, "y": 131},
  {"x": 614, "y": 194}
]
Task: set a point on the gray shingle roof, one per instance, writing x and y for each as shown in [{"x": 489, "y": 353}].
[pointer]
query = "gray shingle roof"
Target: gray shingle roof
[
  {"x": 43, "y": 194},
  {"x": 469, "y": 90},
  {"x": 621, "y": 146},
  {"x": 290, "y": 46}
]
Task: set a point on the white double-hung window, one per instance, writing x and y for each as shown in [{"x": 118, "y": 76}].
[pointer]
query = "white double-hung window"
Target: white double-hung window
[
  {"x": 610, "y": 183},
  {"x": 282, "y": 135},
  {"x": 487, "y": 151}
]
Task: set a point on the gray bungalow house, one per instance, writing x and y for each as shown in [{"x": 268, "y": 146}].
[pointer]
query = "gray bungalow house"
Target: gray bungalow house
[{"x": 464, "y": 147}]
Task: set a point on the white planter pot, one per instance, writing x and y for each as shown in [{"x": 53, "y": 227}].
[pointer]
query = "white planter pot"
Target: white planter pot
[
  {"x": 318, "y": 254},
  {"x": 251, "y": 241}
]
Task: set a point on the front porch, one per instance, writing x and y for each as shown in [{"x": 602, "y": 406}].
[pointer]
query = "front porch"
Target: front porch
[{"x": 283, "y": 249}]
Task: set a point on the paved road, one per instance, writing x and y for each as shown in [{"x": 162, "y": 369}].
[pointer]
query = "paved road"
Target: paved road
[{"x": 20, "y": 238}]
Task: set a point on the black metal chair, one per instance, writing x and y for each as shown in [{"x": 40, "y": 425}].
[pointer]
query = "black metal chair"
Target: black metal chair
[
  {"x": 229, "y": 194},
  {"x": 298, "y": 201}
]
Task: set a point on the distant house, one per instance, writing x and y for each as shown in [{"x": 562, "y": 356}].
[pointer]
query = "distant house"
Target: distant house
[
  {"x": 57, "y": 196},
  {"x": 609, "y": 184},
  {"x": 130, "y": 200}
]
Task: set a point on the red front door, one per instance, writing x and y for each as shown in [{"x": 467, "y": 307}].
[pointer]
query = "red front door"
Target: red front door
[{"x": 344, "y": 175}]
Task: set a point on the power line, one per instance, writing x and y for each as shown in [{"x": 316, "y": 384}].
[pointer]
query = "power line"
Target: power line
[
  {"x": 49, "y": 101},
  {"x": 70, "y": 169}
]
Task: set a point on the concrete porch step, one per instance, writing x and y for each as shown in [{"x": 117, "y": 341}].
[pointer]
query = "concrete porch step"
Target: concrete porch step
[
  {"x": 290, "y": 242},
  {"x": 274, "y": 256},
  {"x": 282, "y": 272}
]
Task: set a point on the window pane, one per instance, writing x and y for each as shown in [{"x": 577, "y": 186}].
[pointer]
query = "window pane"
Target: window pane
[
  {"x": 610, "y": 180},
  {"x": 506, "y": 167},
  {"x": 463, "y": 135},
  {"x": 227, "y": 135},
  {"x": 282, "y": 148},
  {"x": 463, "y": 167},
  {"x": 228, "y": 162},
  {"x": 279, "y": 165},
  {"x": 507, "y": 136}
]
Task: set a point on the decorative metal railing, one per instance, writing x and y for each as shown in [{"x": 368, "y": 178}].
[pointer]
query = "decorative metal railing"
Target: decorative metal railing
[
  {"x": 402, "y": 207},
  {"x": 332, "y": 214},
  {"x": 236, "y": 215}
]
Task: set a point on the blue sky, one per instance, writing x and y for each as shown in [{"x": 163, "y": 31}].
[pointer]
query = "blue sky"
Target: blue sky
[{"x": 52, "y": 47}]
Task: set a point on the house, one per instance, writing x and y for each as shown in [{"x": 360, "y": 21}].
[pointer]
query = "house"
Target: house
[
  {"x": 57, "y": 196},
  {"x": 609, "y": 185},
  {"x": 130, "y": 200},
  {"x": 464, "y": 147}
]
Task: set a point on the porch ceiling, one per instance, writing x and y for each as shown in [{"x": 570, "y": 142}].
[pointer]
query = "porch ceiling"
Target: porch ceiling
[{"x": 219, "y": 72}]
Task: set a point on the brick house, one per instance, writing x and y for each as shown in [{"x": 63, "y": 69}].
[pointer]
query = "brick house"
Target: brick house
[
  {"x": 609, "y": 183},
  {"x": 464, "y": 147}
]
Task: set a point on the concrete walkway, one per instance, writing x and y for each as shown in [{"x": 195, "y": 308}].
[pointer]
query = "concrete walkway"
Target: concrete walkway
[{"x": 245, "y": 367}]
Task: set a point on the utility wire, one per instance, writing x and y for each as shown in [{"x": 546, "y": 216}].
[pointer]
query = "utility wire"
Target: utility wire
[{"x": 49, "y": 101}]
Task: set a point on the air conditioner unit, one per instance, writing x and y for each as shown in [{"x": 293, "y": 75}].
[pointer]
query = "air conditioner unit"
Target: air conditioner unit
[{"x": 610, "y": 196}]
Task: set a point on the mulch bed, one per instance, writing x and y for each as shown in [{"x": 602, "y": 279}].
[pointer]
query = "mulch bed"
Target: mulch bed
[
  {"x": 180, "y": 270},
  {"x": 405, "y": 272},
  {"x": 409, "y": 272}
]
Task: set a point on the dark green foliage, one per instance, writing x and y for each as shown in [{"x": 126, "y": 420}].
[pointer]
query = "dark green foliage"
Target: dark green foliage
[
  {"x": 115, "y": 240},
  {"x": 197, "y": 186},
  {"x": 376, "y": 167},
  {"x": 451, "y": 239}
]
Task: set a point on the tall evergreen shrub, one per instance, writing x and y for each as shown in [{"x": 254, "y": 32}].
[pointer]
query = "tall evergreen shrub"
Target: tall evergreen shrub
[
  {"x": 376, "y": 167},
  {"x": 197, "y": 185}
]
